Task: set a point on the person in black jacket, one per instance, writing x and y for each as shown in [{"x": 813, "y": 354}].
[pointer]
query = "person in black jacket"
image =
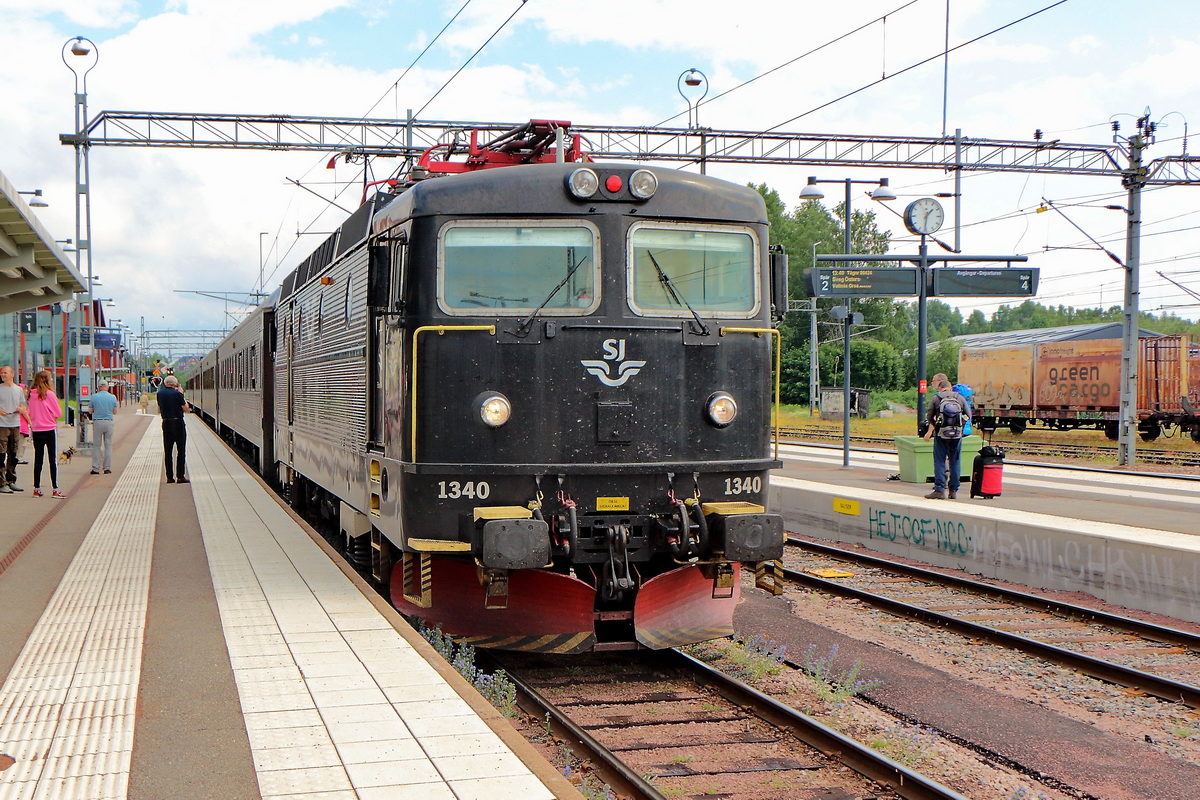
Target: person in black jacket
[
  {"x": 172, "y": 406},
  {"x": 945, "y": 427}
]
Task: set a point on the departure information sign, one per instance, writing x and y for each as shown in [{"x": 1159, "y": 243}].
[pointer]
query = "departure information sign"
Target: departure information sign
[
  {"x": 861, "y": 281},
  {"x": 975, "y": 282}
]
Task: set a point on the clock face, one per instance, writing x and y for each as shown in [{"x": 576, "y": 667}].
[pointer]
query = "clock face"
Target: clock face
[
  {"x": 69, "y": 306},
  {"x": 924, "y": 216}
]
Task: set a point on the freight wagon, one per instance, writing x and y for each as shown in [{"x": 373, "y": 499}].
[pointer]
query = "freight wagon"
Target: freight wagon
[{"x": 1076, "y": 383}]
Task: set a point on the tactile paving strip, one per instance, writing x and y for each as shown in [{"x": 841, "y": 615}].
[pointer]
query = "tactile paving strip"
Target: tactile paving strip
[
  {"x": 67, "y": 708},
  {"x": 336, "y": 702}
]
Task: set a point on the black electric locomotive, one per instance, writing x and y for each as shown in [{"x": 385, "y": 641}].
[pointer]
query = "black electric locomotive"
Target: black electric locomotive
[{"x": 537, "y": 398}]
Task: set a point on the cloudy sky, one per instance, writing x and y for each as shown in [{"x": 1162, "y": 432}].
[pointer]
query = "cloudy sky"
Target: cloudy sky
[{"x": 167, "y": 222}]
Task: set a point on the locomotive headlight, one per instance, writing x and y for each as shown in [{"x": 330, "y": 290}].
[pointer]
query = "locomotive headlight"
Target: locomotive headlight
[
  {"x": 722, "y": 409},
  {"x": 643, "y": 184},
  {"x": 583, "y": 183},
  {"x": 494, "y": 409}
]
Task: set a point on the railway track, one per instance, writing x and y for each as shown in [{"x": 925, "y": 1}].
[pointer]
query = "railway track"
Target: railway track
[
  {"x": 667, "y": 725},
  {"x": 1160, "y": 661},
  {"x": 1030, "y": 448}
]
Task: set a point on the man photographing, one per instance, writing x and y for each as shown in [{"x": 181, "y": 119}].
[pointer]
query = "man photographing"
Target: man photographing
[{"x": 171, "y": 407}]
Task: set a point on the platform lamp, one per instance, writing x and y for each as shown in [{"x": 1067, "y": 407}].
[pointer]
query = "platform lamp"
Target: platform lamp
[
  {"x": 84, "y": 56},
  {"x": 882, "y": 193},
  {"x": 37, "y": 201}
]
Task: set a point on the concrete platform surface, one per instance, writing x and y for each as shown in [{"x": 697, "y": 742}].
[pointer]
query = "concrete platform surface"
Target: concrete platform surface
[{"x": 166, "y": 641}]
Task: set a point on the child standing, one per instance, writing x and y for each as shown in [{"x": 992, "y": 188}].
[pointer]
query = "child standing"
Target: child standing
[{"x": 44, "y": 411}]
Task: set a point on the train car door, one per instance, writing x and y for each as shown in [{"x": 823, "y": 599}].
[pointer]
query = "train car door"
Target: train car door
[
  {"x": 291, "y": 380},
  {"x": 386, "y": 296}
]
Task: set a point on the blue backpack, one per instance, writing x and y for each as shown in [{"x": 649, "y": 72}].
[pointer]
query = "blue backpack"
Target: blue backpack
[{"x": 966, "y": 393}]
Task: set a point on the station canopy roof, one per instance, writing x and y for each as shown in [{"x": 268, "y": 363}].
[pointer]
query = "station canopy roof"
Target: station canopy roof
[
  {"x": 34, "y": 270},
  {"x": 1065, "y": 333}
]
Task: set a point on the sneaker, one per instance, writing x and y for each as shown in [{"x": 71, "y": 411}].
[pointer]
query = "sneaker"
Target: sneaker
[
  {"x": 5, "y": 490},
  {"x": 954, "y": 495},
  {"x": 37, "y": 492},
  {"x": 58, "y": 494},
  {"x": 108, "y": 472},
  {"x": 95, "y": 472},
  {"x": 15, "y": 488},
  {"x": 170, "y": 480},
  {"x": 935, "y": 495},
  {"x": 183, "y": 480},
  {"x": 22, "y": 461}
]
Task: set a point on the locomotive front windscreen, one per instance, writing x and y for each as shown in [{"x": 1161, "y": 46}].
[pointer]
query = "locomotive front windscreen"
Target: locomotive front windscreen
[
  {"x": 515, "y": 267},
  {"x": 711, "y": 270}
]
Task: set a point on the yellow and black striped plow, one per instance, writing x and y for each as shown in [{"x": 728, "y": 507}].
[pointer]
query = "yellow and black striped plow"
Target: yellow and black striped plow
[
  {"x": 662, "y": 639},
  {"x": 562, "y": 644}
]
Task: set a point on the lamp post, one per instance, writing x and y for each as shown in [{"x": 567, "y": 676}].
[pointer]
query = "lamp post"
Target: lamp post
[
  {"x": 813, "y": 192},
  {"x": 37, "y": 201},
  {"x": 694, "y": 78},
  {"x": 83, "y": 48}
]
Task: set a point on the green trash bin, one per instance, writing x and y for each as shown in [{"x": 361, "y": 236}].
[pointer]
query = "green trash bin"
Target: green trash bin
[{"x": 916, "y": 457}]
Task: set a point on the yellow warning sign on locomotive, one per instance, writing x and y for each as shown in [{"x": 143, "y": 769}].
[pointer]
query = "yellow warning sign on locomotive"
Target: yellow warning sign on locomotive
[
  {"x": 843, "y": 506},
  {"x": 612, "y": 503}
]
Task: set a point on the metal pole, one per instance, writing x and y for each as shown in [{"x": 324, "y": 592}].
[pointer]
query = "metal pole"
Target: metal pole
[
  {"x": 846, "y": 347},
  {"x": 957, "y": 186},
  {"x": 53, "y": 356},
  {"x": 83, "y": 217},
  {"x": 1130, "y": 343},
  {"x": 814, "y": 367},
  {"x": 922, "y": 334},
  {"x": 814, "y": 371}
]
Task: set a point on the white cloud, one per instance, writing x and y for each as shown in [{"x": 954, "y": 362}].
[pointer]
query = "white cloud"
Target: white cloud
[{"x": 179, "y": 219}]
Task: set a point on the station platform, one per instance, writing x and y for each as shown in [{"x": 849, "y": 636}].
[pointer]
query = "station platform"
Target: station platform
[
  {"x": 1130, "y": 539},
  {"x": 198, "y": 640}
]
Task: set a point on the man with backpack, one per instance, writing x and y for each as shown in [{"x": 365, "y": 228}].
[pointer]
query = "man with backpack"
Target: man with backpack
[{"x": 947, "y": 413}]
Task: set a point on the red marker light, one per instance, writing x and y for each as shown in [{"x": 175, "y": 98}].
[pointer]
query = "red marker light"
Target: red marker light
[{"x": 613, "y": 183}]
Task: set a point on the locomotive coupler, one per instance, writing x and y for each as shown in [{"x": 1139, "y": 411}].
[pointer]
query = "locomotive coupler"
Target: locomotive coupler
[
  {"x": 617, "y": 578},
  {"x": 496, "y": 582},
  {"x": 722, "y": 577}
]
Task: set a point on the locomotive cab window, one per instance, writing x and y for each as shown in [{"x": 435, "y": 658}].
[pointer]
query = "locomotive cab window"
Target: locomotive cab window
[
  {"x": 713, "y": 270},
  {"x": 512, "y": 267}
]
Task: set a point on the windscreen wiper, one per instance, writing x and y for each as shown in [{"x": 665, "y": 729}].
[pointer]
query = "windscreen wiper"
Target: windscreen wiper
[
  {"x": 679, "y": 299},
  {"x": 527, "y": 323}
]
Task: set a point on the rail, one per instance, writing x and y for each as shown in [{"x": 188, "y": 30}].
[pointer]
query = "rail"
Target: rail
[{"x": 1156, "y": 685}]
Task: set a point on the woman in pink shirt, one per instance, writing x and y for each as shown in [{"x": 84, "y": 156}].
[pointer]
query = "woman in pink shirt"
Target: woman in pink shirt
[{"x": 44, "y": 411}]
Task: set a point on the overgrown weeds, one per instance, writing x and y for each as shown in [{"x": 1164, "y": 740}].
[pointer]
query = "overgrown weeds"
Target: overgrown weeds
[
  {"x": 834, "y": 687},
  {"x": 495, "y": 687}
]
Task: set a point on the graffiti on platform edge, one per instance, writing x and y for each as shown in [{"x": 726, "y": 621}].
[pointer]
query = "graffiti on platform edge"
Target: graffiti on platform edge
[{"x": 944, "y": 535}]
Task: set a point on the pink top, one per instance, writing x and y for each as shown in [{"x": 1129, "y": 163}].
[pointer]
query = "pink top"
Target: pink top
[{"x": 44, "y": 413}]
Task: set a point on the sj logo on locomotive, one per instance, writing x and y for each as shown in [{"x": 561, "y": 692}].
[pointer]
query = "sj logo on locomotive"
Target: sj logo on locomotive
[{"x": 614, "y": 356}]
